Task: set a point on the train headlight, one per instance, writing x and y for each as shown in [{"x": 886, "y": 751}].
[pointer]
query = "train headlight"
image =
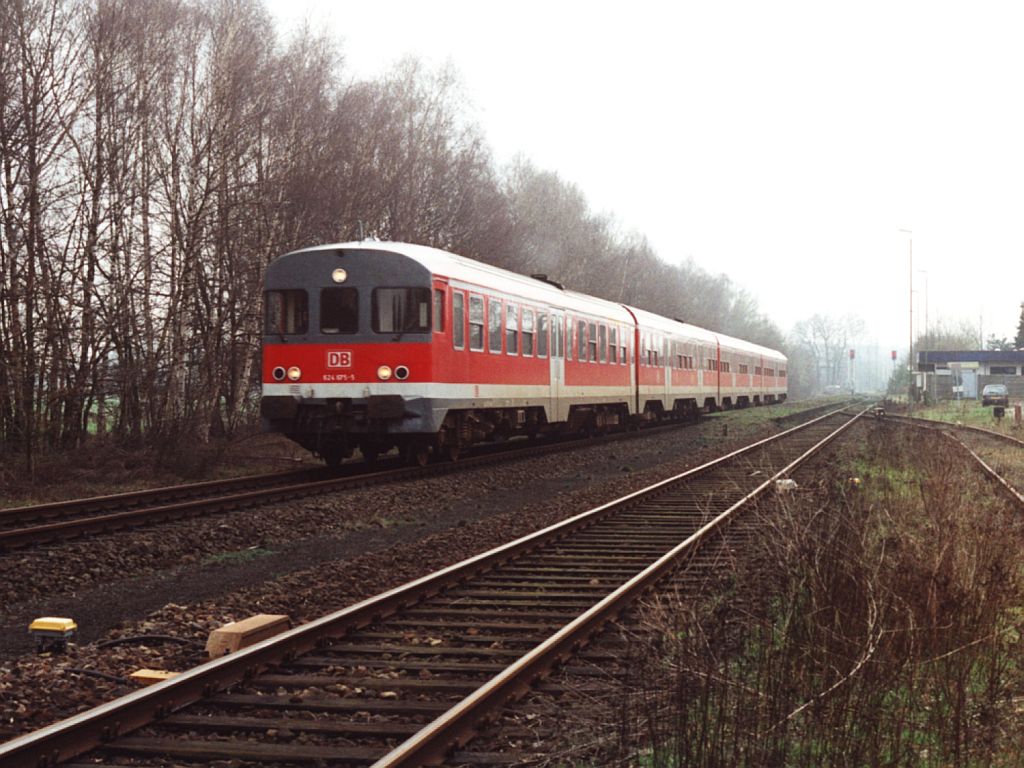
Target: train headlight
[
  {"x": 384, "y": 372},
  {"x": 278, "y": 373},
  {"x": 401, "y": 373},
  {"x": 339, "y": 275},
  {"x": 294, "y": 374}
]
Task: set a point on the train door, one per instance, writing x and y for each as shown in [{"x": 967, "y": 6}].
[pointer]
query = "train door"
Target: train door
[
  {"x": 558, "y": 410},
  {"x": 666, "y": 370}
]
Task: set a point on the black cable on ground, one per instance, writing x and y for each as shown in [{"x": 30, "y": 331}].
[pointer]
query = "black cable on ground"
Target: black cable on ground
[{"x": 97, "y": 673}]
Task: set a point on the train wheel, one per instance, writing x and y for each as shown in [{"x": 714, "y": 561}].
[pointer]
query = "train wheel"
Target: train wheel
[
  {"x": 448, "y": 444},
  {"x": 335, "y": 455},
  {"x": 417, "y": 453}
]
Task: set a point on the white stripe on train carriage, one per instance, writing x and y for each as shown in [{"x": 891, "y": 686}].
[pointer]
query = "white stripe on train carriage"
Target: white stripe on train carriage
[{"x": 442, "y": 391}]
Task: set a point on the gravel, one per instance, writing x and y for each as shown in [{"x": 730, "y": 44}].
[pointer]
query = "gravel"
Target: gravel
[{"x": 303, "y": 559}]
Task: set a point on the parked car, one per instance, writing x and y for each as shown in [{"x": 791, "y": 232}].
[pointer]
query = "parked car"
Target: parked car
[{"x": 995, "y": 394}]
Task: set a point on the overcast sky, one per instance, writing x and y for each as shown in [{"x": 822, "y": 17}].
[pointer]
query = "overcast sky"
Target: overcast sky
[{"x": 783, "y": 143}]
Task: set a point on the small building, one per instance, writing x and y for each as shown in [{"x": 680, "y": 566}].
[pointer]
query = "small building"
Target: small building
[{"x": 964, "y": 373}]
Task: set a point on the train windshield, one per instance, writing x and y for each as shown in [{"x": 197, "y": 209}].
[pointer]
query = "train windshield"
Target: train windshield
[
  {"x": 401, "y": 310},
  {"x": 287, "y": 312},
  {"x": 339, "y": 310}
]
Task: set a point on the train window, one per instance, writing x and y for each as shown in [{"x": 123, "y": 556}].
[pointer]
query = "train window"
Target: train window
[
  {"x": 512, "y": 329},
  {"x": 782, "y": 373},
  {"x": 602, "y": 343},
  {"x": 623, "y": 348},
  {"x": 458, "y": 320},
  {"x": 339, "y": 310},
  {"x": 439, "y": 310},
  {"x": 592, "y": 342},
  {"x": 542, "y": 336},
  {"x": 528, "y": 332},
  {"x": 769, "y": 372},
  {"x": 581, "y": 341},
  {"x": 401, "y": 310},
  {"x": 744, "y": 368},
  {"x": 613, "y": 345},
  {"x": 476, "y": 323},
  {"x": 494, "y": 324},
  {"x": 287, "y": 312}
]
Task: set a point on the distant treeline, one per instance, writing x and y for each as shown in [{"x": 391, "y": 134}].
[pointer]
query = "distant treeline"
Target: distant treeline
[{"x": 156, "y": 155}]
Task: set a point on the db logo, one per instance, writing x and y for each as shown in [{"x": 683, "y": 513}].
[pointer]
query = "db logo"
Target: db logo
[{"x": 339, "y": 359}]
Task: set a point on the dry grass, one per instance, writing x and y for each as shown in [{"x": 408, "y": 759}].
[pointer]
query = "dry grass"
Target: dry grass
[{"x": 877, "y": 625}]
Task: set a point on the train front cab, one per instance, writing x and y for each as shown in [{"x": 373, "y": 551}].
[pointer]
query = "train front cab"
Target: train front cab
[{"x": 347, "y": 338}]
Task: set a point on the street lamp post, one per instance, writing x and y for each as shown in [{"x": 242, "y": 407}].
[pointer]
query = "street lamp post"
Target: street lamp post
[
  {"x": 910, "y": 353},
  {"x": 925, "y": 273},
  {"x": 928, "y": 388}
]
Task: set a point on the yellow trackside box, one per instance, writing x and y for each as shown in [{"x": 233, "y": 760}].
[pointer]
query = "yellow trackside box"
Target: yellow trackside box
[
  {"x": 52, "y": 633},
  {"x": 152, "y": 676}
]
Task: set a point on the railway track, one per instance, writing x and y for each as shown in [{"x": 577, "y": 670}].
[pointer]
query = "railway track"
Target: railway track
[
  {"x": 406, "y": 676},
  {"x": 46, "y": 523},
  {"x": 952, "y": 427},
  {"x": 949, "y": 431},
  {"x": 19, "y": 517}
]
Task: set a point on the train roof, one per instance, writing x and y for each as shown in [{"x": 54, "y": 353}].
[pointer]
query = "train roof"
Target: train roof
[
  {"x": 474, "y": 272},
  {"x": 457, "y": 267},
  {"x": 678, "y": 327}
]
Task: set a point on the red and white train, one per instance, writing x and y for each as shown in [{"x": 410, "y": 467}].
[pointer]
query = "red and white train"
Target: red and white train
[{"x": 376, "y": 345}]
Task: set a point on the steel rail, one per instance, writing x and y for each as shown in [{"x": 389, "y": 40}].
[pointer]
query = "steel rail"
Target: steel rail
[
  {"x": 455, "y": 726},
  {"x": 87, "y": 730},
  {"x": 67, "y": 529},
  {"x": 13, "y": 538},
  {"x": 132, "y": 498},
  {"x": 945, "y": 429},
  {"x": 187, "y": 490},
  {"x": 942, "y": 425},
  {"x": 992, "y": 473}
]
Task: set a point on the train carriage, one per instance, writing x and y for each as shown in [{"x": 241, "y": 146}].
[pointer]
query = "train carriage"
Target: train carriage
[{"x": 376, "y": 345}]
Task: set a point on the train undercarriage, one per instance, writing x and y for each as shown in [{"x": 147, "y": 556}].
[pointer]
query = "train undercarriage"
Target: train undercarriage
[{"x": 335, "y": 429}]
